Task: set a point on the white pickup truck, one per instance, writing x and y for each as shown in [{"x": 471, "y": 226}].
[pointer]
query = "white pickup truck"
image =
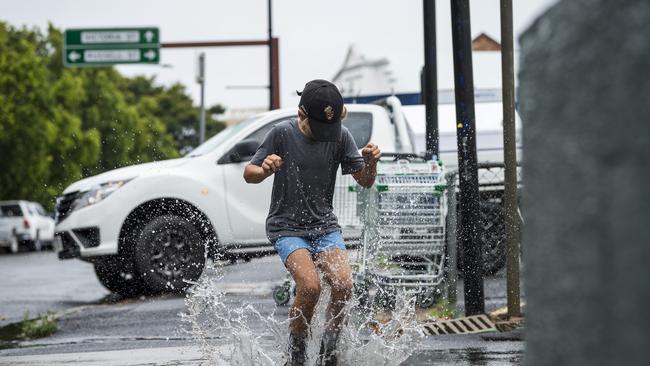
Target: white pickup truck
[
  {"x": 24, "y": 224},
  {"x": 149, "y": 227}
]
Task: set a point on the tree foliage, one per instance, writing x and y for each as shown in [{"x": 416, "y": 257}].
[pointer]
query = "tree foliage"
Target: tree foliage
[{"x": 60, "y": 124}]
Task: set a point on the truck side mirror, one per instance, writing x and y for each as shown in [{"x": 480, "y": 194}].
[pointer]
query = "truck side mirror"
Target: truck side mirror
[{"x": 242, "y": 151}]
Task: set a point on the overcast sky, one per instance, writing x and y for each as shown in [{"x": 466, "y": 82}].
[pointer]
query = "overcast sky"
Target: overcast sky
[{"x": 314, "y": 37}]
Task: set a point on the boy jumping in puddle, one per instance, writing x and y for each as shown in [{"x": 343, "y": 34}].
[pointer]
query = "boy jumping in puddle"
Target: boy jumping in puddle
[{"x": 305, "y": 155}]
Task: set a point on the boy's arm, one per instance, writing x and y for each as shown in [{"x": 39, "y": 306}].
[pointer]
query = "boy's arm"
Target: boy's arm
[
  {"x": 366, "y": 176},
  {"x": 257, "y": 174}
]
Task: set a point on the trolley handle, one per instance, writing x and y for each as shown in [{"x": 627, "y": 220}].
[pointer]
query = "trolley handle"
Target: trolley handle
[
  {"x": 395, "y": 156},
  {"x": 402, "y": 156}
]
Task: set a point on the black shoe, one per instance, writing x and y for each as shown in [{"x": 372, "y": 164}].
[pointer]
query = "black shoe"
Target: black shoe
[
  {"x": 327, "y": 355},
  {"x": 297, "y": 351}
]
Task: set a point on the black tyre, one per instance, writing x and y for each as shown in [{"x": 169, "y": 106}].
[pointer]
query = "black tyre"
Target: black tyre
[
  {"x": 14, "y": 246},
  {"x": 117, "y": 275},
  {"x": 169, "y": 254},
  {"x": 34, "y": 245},
  {"x": 281, "y": 295},
  {"x": 493, "y": 238},
  {"x": 426, "y": 300}
]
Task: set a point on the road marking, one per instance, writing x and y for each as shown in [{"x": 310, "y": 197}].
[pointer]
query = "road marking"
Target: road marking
[{"x": 131, "y": 357}]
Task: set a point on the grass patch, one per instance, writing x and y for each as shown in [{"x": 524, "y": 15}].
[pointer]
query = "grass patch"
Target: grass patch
[
  {"x": 442, "y": 310},
  {"x": 42, "y": 326}
]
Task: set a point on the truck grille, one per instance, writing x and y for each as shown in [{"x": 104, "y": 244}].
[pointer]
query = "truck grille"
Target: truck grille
[{"x": 64, "y": 205}]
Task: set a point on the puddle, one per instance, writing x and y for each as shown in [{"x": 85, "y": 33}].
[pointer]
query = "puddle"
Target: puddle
[
  {"x": 239, "y": 334},
  {"x": 471, "y": 356},
  {"x": 9, "y": 335}
]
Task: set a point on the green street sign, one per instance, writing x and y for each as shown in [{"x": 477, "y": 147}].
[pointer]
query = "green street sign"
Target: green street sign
[
  {"x": 111, "y": 46},
  {"x": 113, "y": 56}
]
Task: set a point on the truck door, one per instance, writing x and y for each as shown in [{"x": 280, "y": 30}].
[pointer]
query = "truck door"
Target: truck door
[{"x": 248, "y": 204}]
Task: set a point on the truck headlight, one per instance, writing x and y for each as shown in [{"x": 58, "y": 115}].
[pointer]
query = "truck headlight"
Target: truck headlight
[{"x": 98, "y": 193}]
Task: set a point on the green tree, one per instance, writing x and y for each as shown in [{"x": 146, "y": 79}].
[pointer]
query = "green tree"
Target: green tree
[
  {"x": 35, "y": 133},
  {"x": 175, "y": 108},
  {"x": 60, "y": 124}
]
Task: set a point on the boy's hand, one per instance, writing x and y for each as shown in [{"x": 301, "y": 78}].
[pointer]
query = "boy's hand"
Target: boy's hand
[
  {"x": 371, "y": 154},
  {"x": 271, "y": 164}
]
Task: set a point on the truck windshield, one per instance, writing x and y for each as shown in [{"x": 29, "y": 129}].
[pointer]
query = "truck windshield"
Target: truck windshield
[
  {"x": 10, "y": 211},
  {"x": 218, "y": 139},
  {"x": 360, "y": 126}
]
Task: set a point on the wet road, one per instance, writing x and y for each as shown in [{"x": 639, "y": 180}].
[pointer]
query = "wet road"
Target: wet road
[
  {"x": 39, "y": 282},
  {"x": 96, "y": 330}
]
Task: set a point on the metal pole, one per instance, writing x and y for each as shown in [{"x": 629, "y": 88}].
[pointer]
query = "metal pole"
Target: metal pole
[
  {"x": 430, "y": 85},
  {"x": 467, "y": 160},
  {"x": 275, "y": 73},
  {"x": 201, "y": 80},
  {"x": 243, "y": 43},
  {"x": 452, "y": 225},
  {"x": 271, "y": 85},
  {"x": 510, "y": 160}
]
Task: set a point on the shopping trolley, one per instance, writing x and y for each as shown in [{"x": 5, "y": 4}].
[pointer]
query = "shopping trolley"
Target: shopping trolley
[
  {"x": 403, "y": 240},
  {"x": 401, "y": 221}
]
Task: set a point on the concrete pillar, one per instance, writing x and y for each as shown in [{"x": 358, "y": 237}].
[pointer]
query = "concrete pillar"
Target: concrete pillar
[{"x": 584, "y": 98}]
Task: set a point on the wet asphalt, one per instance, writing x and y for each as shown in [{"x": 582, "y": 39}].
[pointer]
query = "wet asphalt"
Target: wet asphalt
[{"x": 96, "y": 327}]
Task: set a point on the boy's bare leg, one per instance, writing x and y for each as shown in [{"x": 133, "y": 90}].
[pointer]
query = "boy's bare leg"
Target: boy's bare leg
[
  {"x": 302, "y": 269},
  {"x": 338, "y": 274}
]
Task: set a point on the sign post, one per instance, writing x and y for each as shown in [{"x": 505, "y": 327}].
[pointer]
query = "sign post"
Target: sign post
[
  {"x": 200, "y": 78},
  {"x": 110, "y": 46}
]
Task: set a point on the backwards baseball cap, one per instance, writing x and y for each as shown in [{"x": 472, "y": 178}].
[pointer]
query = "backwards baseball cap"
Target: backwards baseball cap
[{"x": 322, "y": 102}]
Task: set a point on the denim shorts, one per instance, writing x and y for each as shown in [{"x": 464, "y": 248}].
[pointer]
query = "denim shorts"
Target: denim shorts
[{"x": 286, "y": 245}]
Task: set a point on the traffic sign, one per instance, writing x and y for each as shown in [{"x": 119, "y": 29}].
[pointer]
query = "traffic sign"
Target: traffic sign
[{"x": 110, "y": 46}]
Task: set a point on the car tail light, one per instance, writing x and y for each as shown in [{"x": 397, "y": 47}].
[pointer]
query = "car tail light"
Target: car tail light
[{"x": 25, "y": 224}]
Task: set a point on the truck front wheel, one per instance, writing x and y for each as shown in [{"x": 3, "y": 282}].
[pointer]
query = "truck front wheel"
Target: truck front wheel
[
  {"x": 169, "y": 253},
  {"x": 117, "y": 275}
]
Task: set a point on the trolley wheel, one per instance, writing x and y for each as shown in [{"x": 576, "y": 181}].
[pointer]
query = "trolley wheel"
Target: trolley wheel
[
  {"x": 426, "y": 300},
  {"x": 281, "y": 295}
]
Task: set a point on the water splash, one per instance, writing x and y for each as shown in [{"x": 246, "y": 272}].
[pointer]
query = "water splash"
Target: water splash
[{"x": 235, "y": 334}]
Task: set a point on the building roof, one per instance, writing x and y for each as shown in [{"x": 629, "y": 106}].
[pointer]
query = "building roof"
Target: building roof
[{"x": 483, "y": 42}]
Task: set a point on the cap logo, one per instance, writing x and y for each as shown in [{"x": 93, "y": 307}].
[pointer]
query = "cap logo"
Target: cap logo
[{"x": 329, "y": 112}]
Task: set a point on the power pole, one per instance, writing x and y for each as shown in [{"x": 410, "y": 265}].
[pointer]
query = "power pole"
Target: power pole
[
  {"x": 510, "y": 160},
  {"x": 467, "y": 161},
  {"x": 271, "y": 63},
  {"x": 201, "y": 80},
  {"x": 430, "y": 80}
]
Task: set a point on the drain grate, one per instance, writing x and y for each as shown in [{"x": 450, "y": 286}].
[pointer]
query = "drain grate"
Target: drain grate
[{"x": 470, "y": 324}]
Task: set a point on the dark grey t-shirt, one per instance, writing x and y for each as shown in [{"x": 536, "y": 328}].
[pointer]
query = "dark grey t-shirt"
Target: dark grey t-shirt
[{"x": 303, "y": 188}]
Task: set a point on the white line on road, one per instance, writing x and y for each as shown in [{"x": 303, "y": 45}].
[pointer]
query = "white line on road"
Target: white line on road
[{"x": 184, "y": 356}]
